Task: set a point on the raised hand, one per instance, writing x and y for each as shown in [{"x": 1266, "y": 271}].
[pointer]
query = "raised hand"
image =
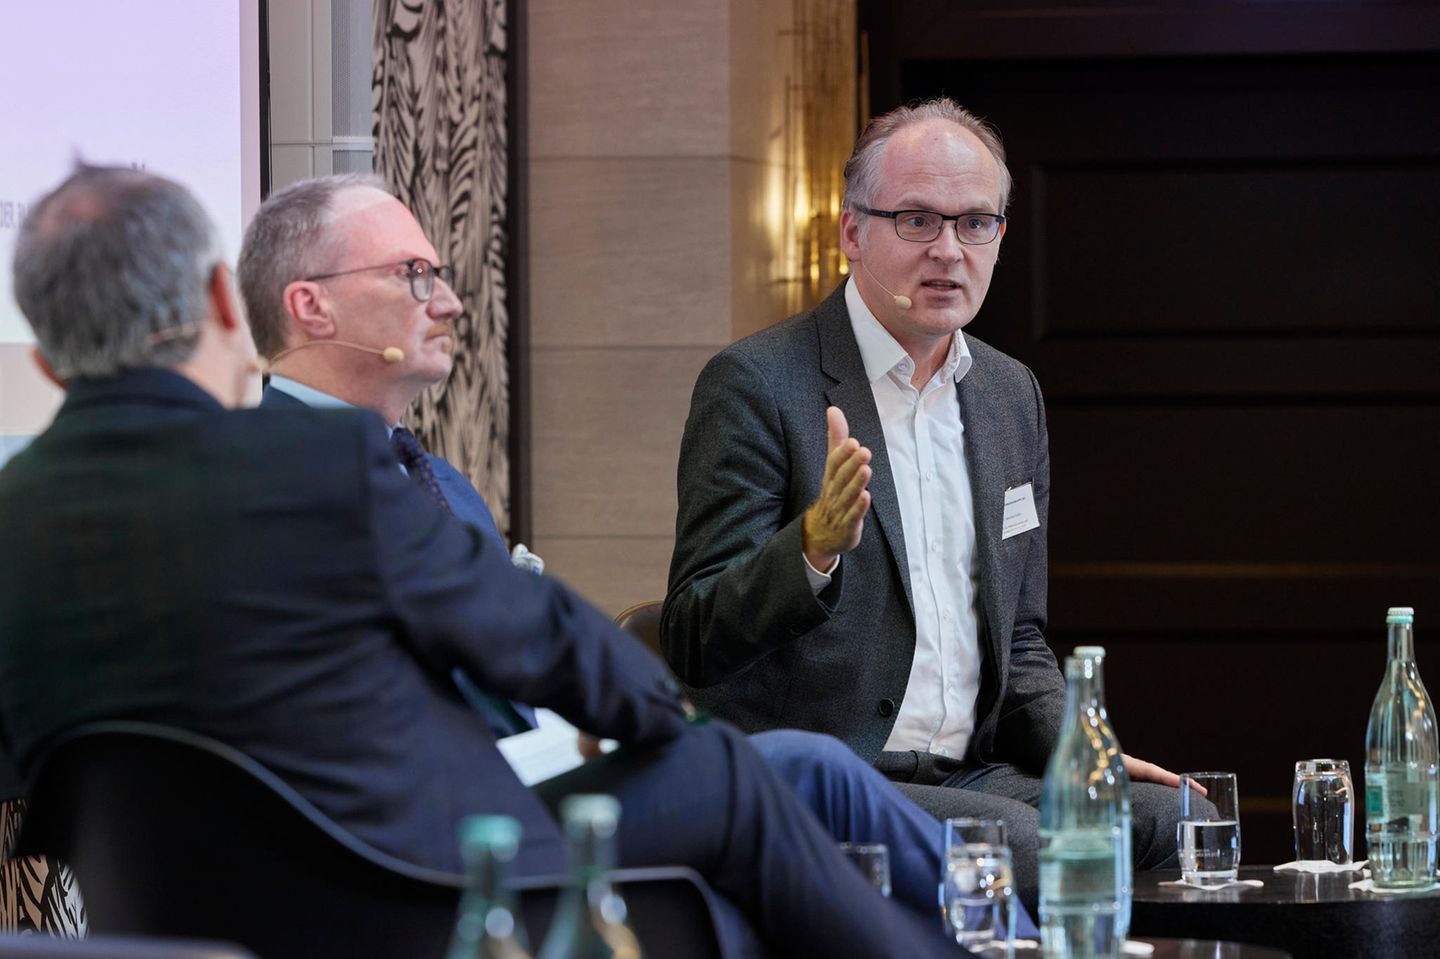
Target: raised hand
[{"x": 833, "y": 524}]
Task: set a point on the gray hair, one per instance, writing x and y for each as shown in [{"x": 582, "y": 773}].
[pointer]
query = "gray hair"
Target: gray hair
[
  {"x": 860, "y": 169},
  {"x": 290, "y": 239},
  {"x": 112, "y": 269}
]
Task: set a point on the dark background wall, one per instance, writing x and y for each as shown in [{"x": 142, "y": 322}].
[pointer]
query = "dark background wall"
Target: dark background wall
[{"x": 1222, "y": 265}]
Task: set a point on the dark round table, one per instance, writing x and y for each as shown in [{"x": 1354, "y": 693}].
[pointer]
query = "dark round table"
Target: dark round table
[
  {"x": 1191, "y": 949},
  {"x": 1313, "y": 917},
  {"x": 1210, "y": 949}
]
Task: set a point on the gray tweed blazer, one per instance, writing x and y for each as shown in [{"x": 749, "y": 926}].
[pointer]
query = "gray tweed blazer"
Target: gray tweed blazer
[{"x": 741, "y": 626}]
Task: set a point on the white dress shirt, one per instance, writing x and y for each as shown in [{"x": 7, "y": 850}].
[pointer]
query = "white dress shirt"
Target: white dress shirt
[{"x": 925, "y": 442}]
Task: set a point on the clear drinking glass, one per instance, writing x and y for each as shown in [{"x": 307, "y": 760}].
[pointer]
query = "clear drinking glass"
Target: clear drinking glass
[
  {"x": 1324, "y": 811},
  {"x": 873, "y": 860},
  {"x": 978, "y": 888},
  {"x": 1209, "y": 828}
]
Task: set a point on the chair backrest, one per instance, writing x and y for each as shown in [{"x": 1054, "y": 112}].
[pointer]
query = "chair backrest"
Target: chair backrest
[
  {"x": 174, "y": 834},
  {"x": 643, "y": 622}
]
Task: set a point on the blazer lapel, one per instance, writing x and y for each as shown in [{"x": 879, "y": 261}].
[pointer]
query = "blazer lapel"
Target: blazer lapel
[
  {"x": 840, "y": 360},
  {"x": 985, "y": 459}
]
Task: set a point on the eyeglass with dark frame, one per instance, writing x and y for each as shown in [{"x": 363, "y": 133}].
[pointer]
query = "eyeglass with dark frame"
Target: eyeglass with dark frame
[
  {"x": 923, "y": 226},
  {"x": 420, "y": 272}
]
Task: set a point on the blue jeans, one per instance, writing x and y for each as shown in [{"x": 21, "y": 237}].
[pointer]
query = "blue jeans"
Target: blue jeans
[{"x": 855, "y": 803}]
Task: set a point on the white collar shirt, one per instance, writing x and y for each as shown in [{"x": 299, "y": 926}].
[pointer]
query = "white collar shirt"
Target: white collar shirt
[{"x": 925, "y": 444}]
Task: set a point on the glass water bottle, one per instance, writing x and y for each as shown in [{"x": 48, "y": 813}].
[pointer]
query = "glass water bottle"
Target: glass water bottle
[
  {"x": 590, "y": 920},
  {"x": 489, "y": 926},
  {"x": 1401, "y": 754},
  {"x": 1085, "y": 867}
]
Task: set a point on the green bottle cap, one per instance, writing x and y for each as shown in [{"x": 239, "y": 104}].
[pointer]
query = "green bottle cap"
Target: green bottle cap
[
  {"x": 1089, "y": 652},
  {"x": 499, "y": 834},
  {"x": 1403, "y": 615}
]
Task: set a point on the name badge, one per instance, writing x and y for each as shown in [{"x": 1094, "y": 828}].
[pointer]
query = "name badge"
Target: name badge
[{"x": 1020, "y": 515}]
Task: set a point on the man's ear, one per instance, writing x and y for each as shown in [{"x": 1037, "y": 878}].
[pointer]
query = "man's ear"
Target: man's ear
[
  {"x": 850, "y": 224},
  {"x": 223, "y": 302},
  {"x": 309, "y": 308},
  {"x": 46, "y": 370}
]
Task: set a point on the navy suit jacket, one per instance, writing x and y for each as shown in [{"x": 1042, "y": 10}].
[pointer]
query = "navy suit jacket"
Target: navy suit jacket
[
  {"x": 465, "y": 501},
  {"x": 268, "y": 578}
]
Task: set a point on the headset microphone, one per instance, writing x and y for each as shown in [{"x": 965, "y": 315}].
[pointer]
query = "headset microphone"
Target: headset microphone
[
  {"x": 901, "y": 300},
  {"x": 390, "y": 354}
]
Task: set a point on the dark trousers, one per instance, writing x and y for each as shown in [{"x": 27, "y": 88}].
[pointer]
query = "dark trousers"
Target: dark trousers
[
  {"x": 946, "y": 788},
  {"x": 708, "y": 801}
]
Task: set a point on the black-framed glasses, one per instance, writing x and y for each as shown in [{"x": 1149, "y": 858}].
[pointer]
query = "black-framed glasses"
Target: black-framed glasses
[
  {"x": 923, "y": 226},
  {"x": 421, "y": 274}
]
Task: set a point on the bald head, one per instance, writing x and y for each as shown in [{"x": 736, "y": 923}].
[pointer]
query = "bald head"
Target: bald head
[{"x": 862, "y": 170}]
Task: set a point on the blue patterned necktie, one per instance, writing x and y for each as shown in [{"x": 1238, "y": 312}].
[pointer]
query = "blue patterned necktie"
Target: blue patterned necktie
[{"x": 412, "y": 456}]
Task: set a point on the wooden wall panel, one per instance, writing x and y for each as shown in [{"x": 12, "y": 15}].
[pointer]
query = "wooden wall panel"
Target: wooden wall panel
[
  {"x": 1303, "y": 246},
  {"x": 1223, "y": 270}
]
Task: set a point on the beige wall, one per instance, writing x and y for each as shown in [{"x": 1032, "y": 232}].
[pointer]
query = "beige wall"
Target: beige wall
[{"x": 660, "y": 163}]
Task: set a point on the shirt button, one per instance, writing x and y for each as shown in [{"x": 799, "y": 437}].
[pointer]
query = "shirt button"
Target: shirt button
[
  {"x": 929, "y": 476},
  {"x": 934, "y": 546}
]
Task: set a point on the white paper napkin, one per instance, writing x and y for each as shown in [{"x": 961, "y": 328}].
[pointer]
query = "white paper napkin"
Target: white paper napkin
[
  {"x": 1368, "y": 885},
  {"x": 1212, "y": 887},
  {"x": 1320, "y": 866}
]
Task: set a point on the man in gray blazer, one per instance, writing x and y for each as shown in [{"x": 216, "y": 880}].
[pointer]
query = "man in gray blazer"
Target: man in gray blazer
[{"x": 864, "y": 497}]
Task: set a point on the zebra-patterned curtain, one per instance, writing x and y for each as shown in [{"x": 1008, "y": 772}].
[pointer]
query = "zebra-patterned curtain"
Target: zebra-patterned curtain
[
  {"x": 36, "y": 895},
  {"x": 440, "y": 141}
]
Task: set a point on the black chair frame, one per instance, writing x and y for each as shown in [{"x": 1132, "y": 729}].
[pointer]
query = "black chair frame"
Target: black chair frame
[{"x": 174, "y": 834}]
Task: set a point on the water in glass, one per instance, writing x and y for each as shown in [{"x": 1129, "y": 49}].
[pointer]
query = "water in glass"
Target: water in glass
[
  {"x": 979, "y": 896},
  {"x": 1209, "y": 830},
  {"x": 1324, "y": 811}
]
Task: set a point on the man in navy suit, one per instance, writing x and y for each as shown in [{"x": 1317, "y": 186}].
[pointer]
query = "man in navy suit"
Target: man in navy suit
[
  {"x": 270, "y": 579},
  {"x": 323, "y": 357}
]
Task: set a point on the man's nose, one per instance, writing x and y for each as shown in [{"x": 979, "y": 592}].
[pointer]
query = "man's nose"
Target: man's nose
[
  {"x": 947, "y": 246},
  {"x": 445, "y": 302}
]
